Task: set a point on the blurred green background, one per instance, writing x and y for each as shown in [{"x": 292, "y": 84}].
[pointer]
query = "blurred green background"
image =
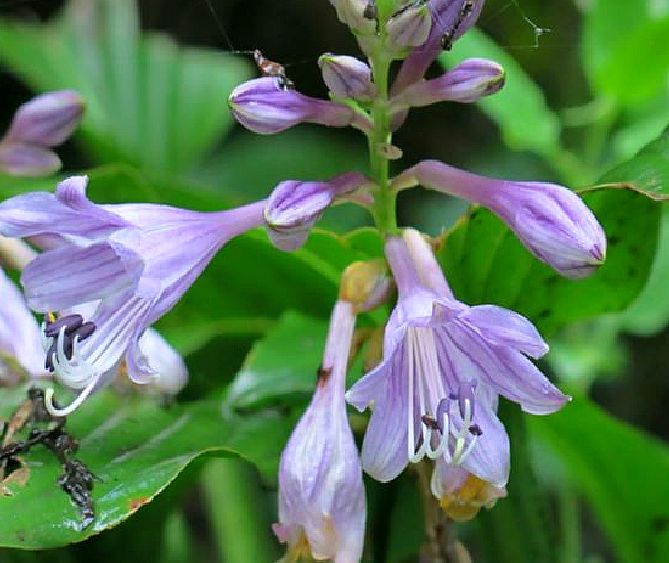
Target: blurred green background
[{"x": 587, "y": 88}]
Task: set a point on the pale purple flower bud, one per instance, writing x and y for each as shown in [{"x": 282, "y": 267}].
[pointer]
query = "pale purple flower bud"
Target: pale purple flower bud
[
  {"x": 264, "y": 106},
  {"x": 347, "y": 77},
  {"x": 47, "y": 120},
  {"x": 466, "y": 83},
  {"x": 168, "y": 365},
  {"x": 21, "y": 159},
  {"x": 450, "y": 19},
  {"x": 294, "y": 207},
  {"x": 550, "y": 220},
  {"x": 357, "y": 15},
  {"x": 410, "y": 26},
  {"x": 435, "y": 393},
  {"x": 321, "y": 494},
  {"x": 135, "y": 261}
]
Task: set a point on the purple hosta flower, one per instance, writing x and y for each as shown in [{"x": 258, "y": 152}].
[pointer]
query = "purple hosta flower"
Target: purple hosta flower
[
  {"x": 461, "y": 494},
  {"x": 409, "y": 26},
  {"x": 135, "y": 260},
  {"x": 20, "y": 337},
  {"x": 263, "y": 106},
  {"x": 435, "y": 392},
  {"x": 468, "y": 82},
  {"x": 347, "y": 77},
  {"x": 294, "y": 206},
  {"x": 321, "y": 494},
  {"x": 450, "y": 19},
  {"x": 550, "y": 220},
  {"x": 38, "y": 125}
]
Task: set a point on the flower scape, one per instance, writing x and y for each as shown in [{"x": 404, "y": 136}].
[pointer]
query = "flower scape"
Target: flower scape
[{"x": 105, "y": 273}]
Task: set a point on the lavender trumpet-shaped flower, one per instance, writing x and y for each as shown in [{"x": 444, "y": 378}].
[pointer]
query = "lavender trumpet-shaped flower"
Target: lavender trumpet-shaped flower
[
  {"x": 466, "y": 83},
  {"x": 294, "y": 207},
  {"x": 550, "y": 220},
  {"x": 263, "y": 106},
  {"x": 134, "y": 260},
  {"x": 347, "y": 77},
  {"x": 38, "y": 125},
  {"x": 450, "y": 20},
  {"x": 435, "y": 392},
  {"x": 321, "y": 494}
]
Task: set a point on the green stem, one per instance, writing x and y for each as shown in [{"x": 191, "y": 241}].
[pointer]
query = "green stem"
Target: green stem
[
  {"x": 384, "y": 209},
  {"x": 570, "y": 521},
  {"x": 239, "y": 516}
]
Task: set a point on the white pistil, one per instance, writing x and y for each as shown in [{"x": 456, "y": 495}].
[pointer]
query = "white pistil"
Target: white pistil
[{"x": 74, "y": 405}]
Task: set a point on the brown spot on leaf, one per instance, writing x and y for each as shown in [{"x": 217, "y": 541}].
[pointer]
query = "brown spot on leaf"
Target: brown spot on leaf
[{"x": 136, "y": 503}]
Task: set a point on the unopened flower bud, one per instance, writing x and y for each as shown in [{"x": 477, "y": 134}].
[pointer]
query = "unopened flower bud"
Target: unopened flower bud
[
  {"x": 410, "y": 26},
  {"x": 347, "y": 77},
  {"x": 550, "y": 220},
  {"x": 47, "y": 120},
  {"x": 21, "y": 159},
  {"x": 264, "y": 107},
  {"x": 359, "y": 15},
  {"x": 366, "y": 285},
  {"x": 468, "y": 82},
  {"x": 294, "y": 206},
  {"x": 321, "y": 494}
]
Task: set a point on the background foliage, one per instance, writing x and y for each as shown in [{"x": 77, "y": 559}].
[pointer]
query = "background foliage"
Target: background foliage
[{"x": 585, "y": 104}]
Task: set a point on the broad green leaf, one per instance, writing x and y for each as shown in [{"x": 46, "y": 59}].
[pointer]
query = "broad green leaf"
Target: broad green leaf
[
  {"x": 622, "y": 473},
  {"x": 485, "y": 263},
  {"x": 136, "y": 449},
  {"x": 620, "y": 49},
  {"x": 149, "y": 102},
  {"x": 649, "y": 170},
  {"x": 282, "y": 364},
  {"x": 520, "y": 109}
]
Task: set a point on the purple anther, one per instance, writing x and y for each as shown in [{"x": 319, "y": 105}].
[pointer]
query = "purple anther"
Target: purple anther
[
  {"x": 466, "y": 393},
  {"x": 51, "y": 352},
  {"x": 475, "y": 430},
  {"x": 442, "y": 409},
  {"x": 70, "y": 322},
  {"x": 84, "y": 331}
]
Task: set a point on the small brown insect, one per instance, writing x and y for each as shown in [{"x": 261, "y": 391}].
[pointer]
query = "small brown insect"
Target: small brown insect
[{"x": 273, "y": 70}]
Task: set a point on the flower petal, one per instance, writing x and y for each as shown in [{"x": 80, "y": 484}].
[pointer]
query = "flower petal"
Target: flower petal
[
  {"x": 69, "y": 275},
  {"x": 68, "y": 214},
  {"x": 20, "y": 336},
  {"x": 506, "y": 328},
  {"x": 384, "y": 449}
]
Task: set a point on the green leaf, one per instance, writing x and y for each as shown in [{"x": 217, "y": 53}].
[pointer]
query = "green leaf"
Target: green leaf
[
  {"x": 282, "y": 364},
  {"x": 149, "y": 102},
  {"x": 622, "y": 473},
  {"x": 136, "y": 449},
  {"x": 520, "y": 108},
  {"x": 485, "y": 263},
  {"x": 620, "y": 50}
]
